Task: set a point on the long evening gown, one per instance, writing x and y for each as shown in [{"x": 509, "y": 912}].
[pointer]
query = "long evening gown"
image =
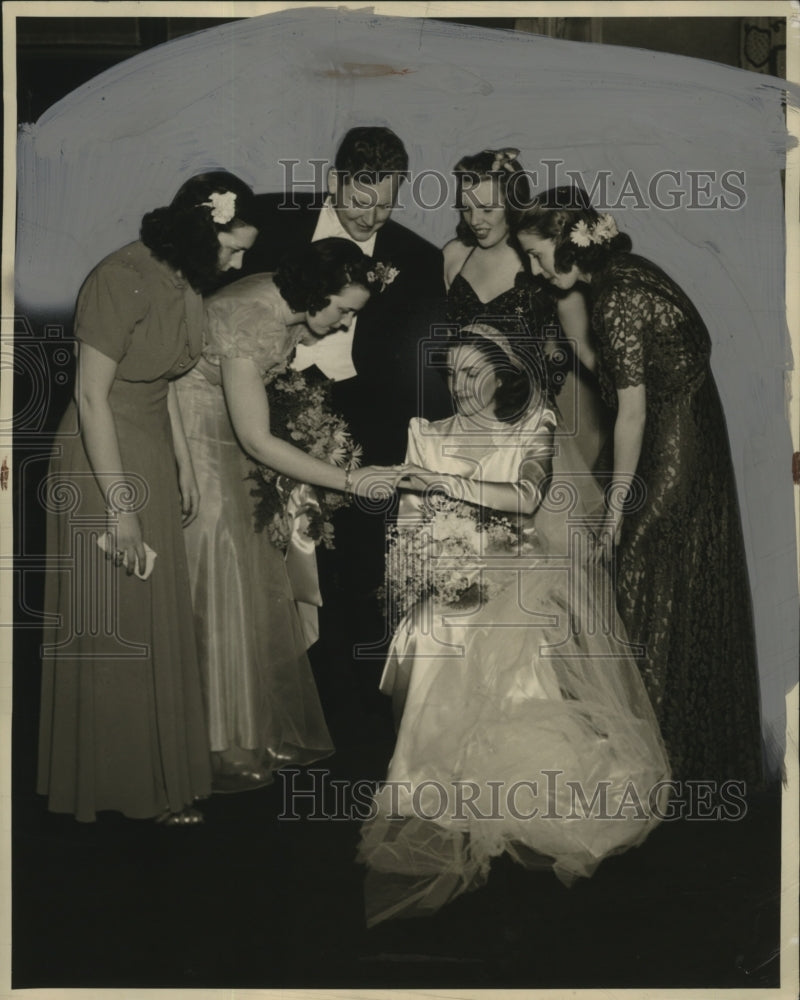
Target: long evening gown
[
  {"x": 531, "y": 684},
  {"x": 262, "y": 703},
  {"x": 528, "y": 310},
  {"x": 122, "y": 724},
  {"x": 682, "y": 585}
]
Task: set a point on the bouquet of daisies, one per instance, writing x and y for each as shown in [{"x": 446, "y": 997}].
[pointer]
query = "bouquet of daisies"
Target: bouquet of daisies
[
  {"x": 301, "y": 414},
  {"x": 443, "y": 555}
]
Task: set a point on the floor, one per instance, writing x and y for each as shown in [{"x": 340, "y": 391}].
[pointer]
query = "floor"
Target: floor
[{"x": 251, "y": 899}]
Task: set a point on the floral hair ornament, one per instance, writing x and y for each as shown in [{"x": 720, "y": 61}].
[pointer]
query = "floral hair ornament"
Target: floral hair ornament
[
  {"x": 222, "y": 205},
  {"x": 383, "y": 273},
  {"x": 497, "y": 338},
  {"x": 584, "y": 235},
  {"x": 503, "y": 159}
]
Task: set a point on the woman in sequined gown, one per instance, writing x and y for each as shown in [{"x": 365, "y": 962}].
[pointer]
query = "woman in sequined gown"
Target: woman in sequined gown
[
  {"x": 487, "y": 282},
  {"x": 682, "y": 585}
]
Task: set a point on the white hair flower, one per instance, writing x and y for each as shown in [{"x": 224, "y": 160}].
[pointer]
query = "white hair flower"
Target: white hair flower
[
  {"x": 604, "y": 229},
  {"x": 580, "y": 234},
  {"x": 222, "y": 205}
]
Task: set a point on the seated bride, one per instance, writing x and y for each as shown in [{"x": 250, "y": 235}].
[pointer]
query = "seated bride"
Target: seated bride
[{"x": 523, "y": 724}]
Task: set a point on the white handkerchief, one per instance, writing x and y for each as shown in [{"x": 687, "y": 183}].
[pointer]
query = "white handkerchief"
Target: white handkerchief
[{"x": 150, "y": 557}]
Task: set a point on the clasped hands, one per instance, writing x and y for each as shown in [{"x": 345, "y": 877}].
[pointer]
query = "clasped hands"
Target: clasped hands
[{"x": 376, "y": 482}]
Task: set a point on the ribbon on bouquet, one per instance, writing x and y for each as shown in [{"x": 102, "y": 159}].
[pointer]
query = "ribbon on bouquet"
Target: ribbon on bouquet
[{"x": 301, "y": 561}]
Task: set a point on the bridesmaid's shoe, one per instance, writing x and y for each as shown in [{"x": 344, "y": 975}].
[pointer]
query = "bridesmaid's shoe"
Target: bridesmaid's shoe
[
  {"x": 242, "y": 781},
  {"x": 186, "y": 817}
]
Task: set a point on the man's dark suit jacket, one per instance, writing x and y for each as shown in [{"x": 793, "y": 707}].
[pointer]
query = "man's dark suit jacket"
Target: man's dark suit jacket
[{"x": 392, "y": 383}]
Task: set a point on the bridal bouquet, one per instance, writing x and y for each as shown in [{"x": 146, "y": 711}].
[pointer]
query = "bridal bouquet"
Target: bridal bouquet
[
  {"x": 444, "y": 555},
  {"x": 300, "y": 413}
]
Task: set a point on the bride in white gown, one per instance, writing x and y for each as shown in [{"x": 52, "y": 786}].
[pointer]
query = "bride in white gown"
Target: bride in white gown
[{"x": 523, "y": 724}]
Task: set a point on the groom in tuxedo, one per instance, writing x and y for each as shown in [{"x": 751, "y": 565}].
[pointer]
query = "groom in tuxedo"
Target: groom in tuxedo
[{"x": 380, "y": 382}]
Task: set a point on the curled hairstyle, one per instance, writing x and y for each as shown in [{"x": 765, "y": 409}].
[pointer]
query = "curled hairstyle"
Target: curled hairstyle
[
  {"x": 512, "y": 185},
  {"x": 521, "y": 379},
  {"x": 372, "y": 153},
  {"x": 183, "y": 233},
  {"x": 553, "y": 216},
  {"x": 308, "y": 277}
]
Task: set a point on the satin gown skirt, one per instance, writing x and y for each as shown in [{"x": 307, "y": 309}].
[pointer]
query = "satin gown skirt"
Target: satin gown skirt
[
  {"x": 524, "y": 727},
  {"x": 259, "y": 690},
  {"x": 122, "y": 723}
]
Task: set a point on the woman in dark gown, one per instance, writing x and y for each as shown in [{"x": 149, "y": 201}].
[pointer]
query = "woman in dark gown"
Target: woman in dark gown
[
  {"x": 487, "y": 282},
  {"x": 682, "y": 586}
]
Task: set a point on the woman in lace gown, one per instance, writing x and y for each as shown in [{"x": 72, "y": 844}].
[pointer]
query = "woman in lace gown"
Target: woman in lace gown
[
  {"x": 487, "y": 281},
  {"x": 122, "y": 724},
  {"x": 262, "y": 703},
  {"x": 523, "y": 725},
  {"x": 681, "y": 577}
]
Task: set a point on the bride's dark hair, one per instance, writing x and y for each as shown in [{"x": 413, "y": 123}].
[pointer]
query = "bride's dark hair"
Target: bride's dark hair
[
  {"x": 308, "y": 277},
  {"x": 555, "y": 215},
  {"x": 522, "y": 379},
  {"x": 184, "y": 234}
]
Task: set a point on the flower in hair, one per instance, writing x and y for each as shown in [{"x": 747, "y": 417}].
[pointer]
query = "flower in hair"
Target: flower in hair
[
  {"x": 222, "y": 205},
  {"x": 503, "y": 158},
  {"x": 383, "y": 273},
  {"x": 604, "y": 229},
  {"x": 581, "y": 235}
]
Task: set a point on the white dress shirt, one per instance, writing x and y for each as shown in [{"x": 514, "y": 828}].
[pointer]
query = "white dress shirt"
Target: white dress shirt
[{"x": 333, "y": 355}]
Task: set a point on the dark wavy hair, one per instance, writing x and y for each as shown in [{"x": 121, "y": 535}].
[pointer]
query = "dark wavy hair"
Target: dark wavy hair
[
  {"x": 513, "y": 186},
  {"x": 521, "y": 378},
  {"x": 371, "y": 152},
  {"x": 183, "y": 234},
  {"x": 309, "y": 276},
  {"x": 553, "y": 216}
]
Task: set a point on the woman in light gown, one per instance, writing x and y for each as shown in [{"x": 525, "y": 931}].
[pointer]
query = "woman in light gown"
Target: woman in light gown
[
  {"x": 523, "y": 725},
  {"x": 262, "y": 703},
  {"x": 487, "y": 281}
]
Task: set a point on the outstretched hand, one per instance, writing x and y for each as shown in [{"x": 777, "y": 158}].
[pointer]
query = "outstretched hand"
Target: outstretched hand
[
  {"x": 605, "y": 539},
  {"x": 375, "y": 482}
]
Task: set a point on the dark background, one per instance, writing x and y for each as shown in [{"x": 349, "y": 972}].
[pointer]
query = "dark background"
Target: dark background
[{"x": 250, "y": 900}]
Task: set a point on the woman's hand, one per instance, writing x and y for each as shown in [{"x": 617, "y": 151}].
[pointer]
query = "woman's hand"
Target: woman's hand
[
  {"x": 420, "y": 480},
  {"x": 126, "y": 540},
  {"x": 607, "y": 538},
  {"x": 190, "y": 492},
  {"x": 375, "y": 482}
]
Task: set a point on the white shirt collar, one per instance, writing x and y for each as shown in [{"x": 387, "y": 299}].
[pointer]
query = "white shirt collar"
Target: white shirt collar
[{"x": 328, "y": 225}]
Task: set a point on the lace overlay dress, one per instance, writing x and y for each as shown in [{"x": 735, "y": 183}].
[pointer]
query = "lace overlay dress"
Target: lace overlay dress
[
  {"x": 259, "y": 690},
  {"x": 682, "y": 585}
]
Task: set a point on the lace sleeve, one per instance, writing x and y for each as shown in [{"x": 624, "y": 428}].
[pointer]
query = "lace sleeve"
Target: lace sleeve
[
  {"x": 626, "y": 314},
  {"x": 244, "y": 328}
]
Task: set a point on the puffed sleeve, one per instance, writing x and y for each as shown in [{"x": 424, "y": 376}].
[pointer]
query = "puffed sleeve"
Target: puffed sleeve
[
  {"x": 245, "y": 326},
  {"x": 538, "y": 448},
  {"x": 414, "y": 448},
  {"x": 627, "y": 315},
  {"x": 110, "y": 304}
]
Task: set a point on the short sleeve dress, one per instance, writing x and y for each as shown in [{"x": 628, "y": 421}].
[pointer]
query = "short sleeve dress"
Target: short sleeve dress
[
  {"x": 122, "y": 724},
  {"x": 682, "y": 585},
  {"x": 259, "y": 689}
]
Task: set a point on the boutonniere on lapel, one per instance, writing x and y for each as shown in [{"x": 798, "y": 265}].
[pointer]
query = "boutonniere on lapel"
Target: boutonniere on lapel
[{"x": 383, "y": 274}]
